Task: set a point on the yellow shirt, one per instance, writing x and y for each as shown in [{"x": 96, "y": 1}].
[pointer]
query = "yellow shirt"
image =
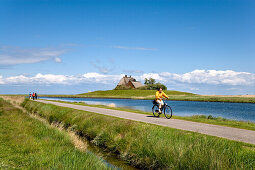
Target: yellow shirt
[{"x": 159, "y": 96}]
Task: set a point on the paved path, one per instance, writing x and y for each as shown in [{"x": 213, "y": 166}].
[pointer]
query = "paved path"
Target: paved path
[{"x": 247, "y": 136}]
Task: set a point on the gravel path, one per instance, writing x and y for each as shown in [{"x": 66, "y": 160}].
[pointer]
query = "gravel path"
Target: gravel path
[{"x": 242, "y": 135}]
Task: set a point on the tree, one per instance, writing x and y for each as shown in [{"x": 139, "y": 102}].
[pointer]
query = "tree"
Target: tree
[
  {"x": 149, "y": 81},
  {"x": 146, "y": 81},
  {"x": 152, "y": 85},
  {"x": 152, "y": 81}
]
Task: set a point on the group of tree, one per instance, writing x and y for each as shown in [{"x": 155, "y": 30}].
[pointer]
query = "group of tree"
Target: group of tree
[{"x": 150, "y": 84}]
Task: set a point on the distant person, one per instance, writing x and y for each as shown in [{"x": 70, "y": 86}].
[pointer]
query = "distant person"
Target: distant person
[
  {"x": 33, "y": 95},
  {"x": 30, "y": 95},
  {"x": 159, "y": 96},
  {"x": 36, "y": 96}
]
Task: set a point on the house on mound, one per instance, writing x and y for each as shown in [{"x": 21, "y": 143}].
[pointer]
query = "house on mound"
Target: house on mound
[{"x": 129, "y": 82}]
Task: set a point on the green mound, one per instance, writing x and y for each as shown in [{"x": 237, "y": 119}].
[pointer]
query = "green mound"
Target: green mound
[{"x": 131, "y": 93}]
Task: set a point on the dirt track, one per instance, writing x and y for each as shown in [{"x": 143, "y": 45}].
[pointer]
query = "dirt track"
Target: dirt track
[{"x": 242, "y": 135}]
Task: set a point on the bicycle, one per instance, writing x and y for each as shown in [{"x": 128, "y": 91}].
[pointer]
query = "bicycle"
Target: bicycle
[{"x": 166, "y": 109}]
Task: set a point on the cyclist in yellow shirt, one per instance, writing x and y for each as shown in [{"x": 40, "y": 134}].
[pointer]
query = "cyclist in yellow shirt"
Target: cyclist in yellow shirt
[{"x": 159, "y": 96}]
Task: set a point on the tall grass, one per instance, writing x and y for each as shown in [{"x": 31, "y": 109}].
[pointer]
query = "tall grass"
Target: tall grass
[
  {"x": 151, "y": 146},
  {"x": 26, "y": 143}
]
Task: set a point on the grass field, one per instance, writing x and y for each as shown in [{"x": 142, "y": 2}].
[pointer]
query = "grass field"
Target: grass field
[
  {"x": 196, "y": 118},
  {"x": 150, "y": 94},
  {"x": 151, "y": 146},
  {"x": 26, "y": 143}
]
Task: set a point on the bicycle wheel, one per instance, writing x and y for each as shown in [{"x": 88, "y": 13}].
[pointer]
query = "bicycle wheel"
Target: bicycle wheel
[
  {"x": 168, "y": 112},
  {"x": 155, "y": 111}
]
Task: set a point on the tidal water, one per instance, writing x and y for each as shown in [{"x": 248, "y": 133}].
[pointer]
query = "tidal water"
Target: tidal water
[{"x": 235, "y": 111}]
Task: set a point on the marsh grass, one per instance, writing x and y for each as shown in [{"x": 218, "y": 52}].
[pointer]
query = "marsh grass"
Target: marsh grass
[
  {"x": 26, "y": 143},
  {"x": 151, "y": 146}
]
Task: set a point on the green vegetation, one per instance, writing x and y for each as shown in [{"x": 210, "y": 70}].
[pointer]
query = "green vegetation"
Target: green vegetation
[
  {"x": 26, "y": 143},
  {"x": 150, "y": 84},
  {"x": 151, "y": 146},
  {"x": 153, "y": 87},
  {"x": 195, "y": 118}
]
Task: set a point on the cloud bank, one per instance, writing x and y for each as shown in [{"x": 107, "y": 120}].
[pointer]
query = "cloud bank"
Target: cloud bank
[
  {"x": 210, "y": 77},
  {"x": 54, "y": 79},
  {"x": 197, "y": 81}
]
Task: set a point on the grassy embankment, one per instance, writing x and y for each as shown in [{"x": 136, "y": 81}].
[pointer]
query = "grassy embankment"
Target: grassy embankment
[
  {"x": 151, "y": 146},
  {"x": 196, "y": 118},
  {"x": 26, "y": 143},
  {"x": 149, "y": 94}
]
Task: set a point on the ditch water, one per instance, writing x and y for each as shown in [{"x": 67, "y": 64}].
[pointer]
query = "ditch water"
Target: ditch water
[
  {"x": 110, "y": 159},
  {"x": 234, "y": 111}
]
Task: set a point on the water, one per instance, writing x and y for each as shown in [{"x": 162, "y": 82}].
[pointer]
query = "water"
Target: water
[
  {"x": 235, "y": 111},
  {"x": 110, "y": 159}
]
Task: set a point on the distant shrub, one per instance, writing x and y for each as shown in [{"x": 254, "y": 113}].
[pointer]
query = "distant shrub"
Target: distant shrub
[
  {"x": 199, "y": 117},
  {"x": 149, "y": 81},
  {"x": 153, "y": 87},
  {"x": 210, "y": 117}
]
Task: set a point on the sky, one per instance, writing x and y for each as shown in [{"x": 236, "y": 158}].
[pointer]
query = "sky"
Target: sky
[{"x": 75, "y": 46}]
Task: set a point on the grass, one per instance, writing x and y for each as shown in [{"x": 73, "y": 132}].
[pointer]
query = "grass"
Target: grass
[
  {"x": 150, "y": 146},
  {"x": 26, "y": 143},
  {"x": 195, "y": 118},
  {"x": 150, "y": 94}
]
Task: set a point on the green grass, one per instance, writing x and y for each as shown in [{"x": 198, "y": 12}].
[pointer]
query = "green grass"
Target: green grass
[
  {"x": 195, "y": 118},
  {"x": 26, "y": 143},
  {"x": 150, "y": 94},
  {"x": 151, "y": 146}
]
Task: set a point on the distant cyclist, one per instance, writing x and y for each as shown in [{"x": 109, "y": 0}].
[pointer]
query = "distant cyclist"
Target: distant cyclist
[{"x": 159, "y": 96}]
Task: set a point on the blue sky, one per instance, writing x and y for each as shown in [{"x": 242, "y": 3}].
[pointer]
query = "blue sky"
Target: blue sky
[{"x": 184, "y": 44}]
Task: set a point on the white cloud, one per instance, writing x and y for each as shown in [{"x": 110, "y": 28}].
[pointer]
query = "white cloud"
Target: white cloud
[
  {"x": 93, "y": 75},
  {"x": 39, "y": 78},
  {"x": 101, "y": 78},
  {"x": 213, "y": 77},
  {"x": 133, "y": 48},
  {"x": 16, "y": 55},
  {"x": 1, "y": 80},
  {"x": 152, "y": 75}
]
